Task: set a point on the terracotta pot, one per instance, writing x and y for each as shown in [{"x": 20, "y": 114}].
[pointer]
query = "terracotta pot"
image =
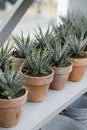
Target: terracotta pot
[
  {"x": 10, "y": 110},
  {"x": 18, "y": 62},
  {"x": 37, "y": 86},
  {"x": 85, "y": 49},
  {"x": 79, "y": 66},
  {"x": 60, "y": 77}
]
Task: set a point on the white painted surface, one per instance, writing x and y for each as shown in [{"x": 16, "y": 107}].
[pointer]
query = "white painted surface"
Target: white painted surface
[
  {"x": 77, "y": 6},
  {"x": 35, "y": 115},
  {"x": 62, "y": 7}
]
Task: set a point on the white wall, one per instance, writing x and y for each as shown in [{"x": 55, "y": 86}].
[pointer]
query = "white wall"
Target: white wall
[
  {"x": 73, "y": 6},
  {"x": 62, "y": 8}
]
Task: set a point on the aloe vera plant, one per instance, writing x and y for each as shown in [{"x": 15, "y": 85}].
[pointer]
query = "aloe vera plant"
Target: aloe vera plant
[
  {"x": 77, "y": 23},
  {"x": 77, "y": 44},
  {"x": 60, "y": 50},
  {"x": 10, "y": 82},
  {"x": 39, "y": 62},
  {"x": 5, "y": 53},
  {"x": 22, "y": 46},
  {"x": 69, "y": 19},
  {"x": 81, "y": 26},
  {"x": 44, "y": 38},
  {"x": 68, "y": 24}
]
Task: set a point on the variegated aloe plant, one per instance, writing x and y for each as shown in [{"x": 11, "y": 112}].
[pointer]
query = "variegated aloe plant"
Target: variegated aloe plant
[
  {"x": 5, "y": 53},
  {"x": 10, "y": 83},
  {"x": 60, "y": 51},
  {"x": 77, "y": 44},
  {"x": 22, "y": 46},
  {"x": 69, "y": 19},
  {"x": 81, "y": 26},
  {"x": 44, "y": 38},
  {"x": 38, "y": 62},
  {"x": 77, "y": 23}
]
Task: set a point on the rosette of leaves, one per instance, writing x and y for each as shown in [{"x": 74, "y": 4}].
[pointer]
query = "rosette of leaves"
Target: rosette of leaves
[
  {"x": 5, "y": 53},
  {"x": 10, "y": 83},
  {"x": 38, "y": 62},
  {"x": 22, "y": 46},
  {"x": 69, "y": 19},
  {"x": 61, "y": 52},
  {"x": 44, "y": 37},
  {"x": 77, "y": 44},
  {"x": 61, "y": 31},
  {"x": 81, "y": 26},
  {"x": 68, "y": 24},
  {"x": 77, "y": 23}
]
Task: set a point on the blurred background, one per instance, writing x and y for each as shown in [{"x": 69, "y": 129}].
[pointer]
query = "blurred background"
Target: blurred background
[{"x": 40, "y": 13}]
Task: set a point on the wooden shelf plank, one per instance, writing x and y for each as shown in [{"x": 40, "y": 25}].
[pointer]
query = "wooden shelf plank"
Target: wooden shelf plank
[{"x": 35, "y": 115}]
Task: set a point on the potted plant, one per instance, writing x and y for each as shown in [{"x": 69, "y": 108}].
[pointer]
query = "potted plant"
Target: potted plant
[
  {"x": 20, "y": 50},
  {"x": 78, "y": 57},
  {"x": 81, "y": 26},
  {"x": 61, "y": 65},
  {"x": 68, "y": 20},
  {"x": 5, "y": 53},
  {"x": 43, "y": 38},
  {"x": 12, "y": 96},
  {"x": 37, "y": 75}
]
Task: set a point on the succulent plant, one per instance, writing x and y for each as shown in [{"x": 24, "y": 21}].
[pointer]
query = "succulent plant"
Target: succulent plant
[
  {"x": 69, "y": 19},
  {"x": 61, "y": 31},
  {"x": 76, "y": 23},
  {"x": 60, "y": 52},
  {"x": 77, "y": 44},
  {"x": 5, "y": 52},
  {"x": 81, "y": 26},
  {"x": 38, "y": 62},
  {"x": 68, "y": 24},
  {"x": 10, "y": 83},
  {"x": 44, "y": 38},
  {"x": 22, "y": 46}
]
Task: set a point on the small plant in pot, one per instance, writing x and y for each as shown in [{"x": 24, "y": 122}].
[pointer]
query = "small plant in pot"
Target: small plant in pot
[
  {"x": 78, "y": 57},
  {"x": 81, "y": 26},
  {"x": 44, "y": 38},
  {"x": 61, "y": 65},
  {"x": 37, "y": 75},
  {"x": 68, "y": 20},
  {"x": 12, "y": 96},
  {"x": 19, "y": 53},
  {"x": 5, "y": 53}
]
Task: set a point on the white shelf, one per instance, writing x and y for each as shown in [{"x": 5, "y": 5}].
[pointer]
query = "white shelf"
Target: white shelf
[{"x": 35, "y": 115}]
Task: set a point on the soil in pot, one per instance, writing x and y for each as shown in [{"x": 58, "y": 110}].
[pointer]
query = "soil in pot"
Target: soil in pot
[
  {"x": 60, "y": 77},
  {"x": 10, "y": 110},
  {"x": 37, "y": 86}
]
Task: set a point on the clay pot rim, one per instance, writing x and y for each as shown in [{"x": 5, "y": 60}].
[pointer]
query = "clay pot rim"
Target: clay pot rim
[
  {"x": 79, "y": 62},
  {"x": 78, "y": 58},
  {"x": 14, "y": 99},
  {"x": 42, "y": 77},
  {"x": 71, "y": 64},
  {"x": 18, "y": 58}
]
